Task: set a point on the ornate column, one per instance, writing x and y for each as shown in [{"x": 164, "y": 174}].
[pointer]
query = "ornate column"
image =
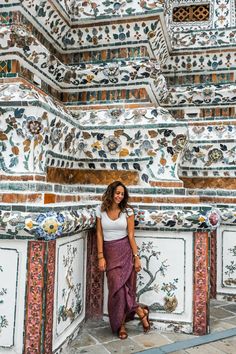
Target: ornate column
[
  {"x": 213, "y": 265},
  {"x": 201, "y": 284},
  {"x": 95, "y": 280},
  {"x": 39, "y": 297}
]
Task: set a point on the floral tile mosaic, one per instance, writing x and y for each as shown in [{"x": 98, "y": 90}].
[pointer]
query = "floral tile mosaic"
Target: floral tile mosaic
[
  {"x": 141, "y": 73},
  {"x": 208, "y": 38},
  {"x": 27, "y": 138},
  {"x": 81, "y": 10},
  {"x": 197, "y": 62},
  {"x": 49, "y": 225},
  {"x": 119, "y": 54},
  {"x": 150, "y": 33},
  {"x": 219, "y": 94},
  {"x": 223, "y": 17}
]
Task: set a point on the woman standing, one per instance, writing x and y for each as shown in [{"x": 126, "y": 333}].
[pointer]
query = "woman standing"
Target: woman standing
[{"x": 118, "y": 256}]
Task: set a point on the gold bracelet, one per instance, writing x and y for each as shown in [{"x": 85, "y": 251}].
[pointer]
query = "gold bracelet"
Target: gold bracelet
[
  {"x": 100, "y": 258},
  {"x": 135, "y": 255}
]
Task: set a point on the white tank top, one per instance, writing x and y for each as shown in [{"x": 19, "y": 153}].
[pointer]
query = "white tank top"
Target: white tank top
[{"x": 113, "y": 229}]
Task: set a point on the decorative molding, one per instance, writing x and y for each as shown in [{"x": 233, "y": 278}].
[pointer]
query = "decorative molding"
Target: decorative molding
[
  {"x": 197, "y": 63},
  {"x": 202, "y": 95},
  {"x": 80, "y": 11},
  {"x": 151, "y": 144},
  {"x": 148, "y": 29},
  {"x": 177, "y": 218},
  {"x": 204, "y": 39},
  {"x": 17, "y": 41},
  {"x": 51, "y": 224}
]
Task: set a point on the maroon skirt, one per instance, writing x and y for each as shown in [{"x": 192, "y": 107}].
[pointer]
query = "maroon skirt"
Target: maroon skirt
[{"x": 121, "y": 281}]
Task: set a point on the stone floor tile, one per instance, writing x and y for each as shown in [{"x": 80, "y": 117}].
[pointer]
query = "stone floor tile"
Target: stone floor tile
[
  {"x": 232, "y": 321},
  {"x": 151, "y": 339},
  {"x": 217, "y": 325},
  {"x": 226, "y": 346},
  {"x": 175, "y": 337},
  {"x": 179, "y": 352},
  {"x": 98, "y": 349},
  {"x": 134, "y": 330},
  {"x": 204, "y": 349},
  {"x": 83, "y": 340},
  {"x": 103, "y": 334},
  {"x": 220, "y": 313},
  {"x": 214, "y": 303},
  {"x": 127, "y": 346},
  {"x": 95, "y": 323},
  {"x": 230, "y": 307}
]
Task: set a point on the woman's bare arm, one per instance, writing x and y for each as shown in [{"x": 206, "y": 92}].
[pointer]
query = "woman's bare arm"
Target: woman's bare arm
[
  {"x": 101, "y": 259},
  {"x": 137, "y": 262},
  {"x": 130, "y": 224}
]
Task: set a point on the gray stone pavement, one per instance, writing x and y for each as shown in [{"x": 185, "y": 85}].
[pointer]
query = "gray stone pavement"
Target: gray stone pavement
[{"x": 96, "y": 337}]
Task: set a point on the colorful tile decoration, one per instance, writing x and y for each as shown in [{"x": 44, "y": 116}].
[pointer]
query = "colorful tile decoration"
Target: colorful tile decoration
[
  {"x": 35, "y": 290},
  {"x": 91, "y": 90},
  {"x": 201, "y": 284},
  {"x": 49, "y": 303}
]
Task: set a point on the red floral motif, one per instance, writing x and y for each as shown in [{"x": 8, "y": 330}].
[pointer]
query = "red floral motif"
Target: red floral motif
[
  {"x": 50, "y": 279},
  {"x": 200, "y": 318},
  {"x": 34, "y": 298}
]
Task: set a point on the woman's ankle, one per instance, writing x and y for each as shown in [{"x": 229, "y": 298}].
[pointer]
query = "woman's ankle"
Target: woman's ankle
[{"x": 140, "y": 312}]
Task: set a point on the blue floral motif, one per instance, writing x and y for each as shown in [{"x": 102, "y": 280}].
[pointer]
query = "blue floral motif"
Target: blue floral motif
[{"x": 50, "y": 225}]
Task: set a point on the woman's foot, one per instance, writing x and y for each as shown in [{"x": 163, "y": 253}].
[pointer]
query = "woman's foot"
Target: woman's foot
[
  {"x": 143, "y": 313},
  {"x": 122, "y": 332}
]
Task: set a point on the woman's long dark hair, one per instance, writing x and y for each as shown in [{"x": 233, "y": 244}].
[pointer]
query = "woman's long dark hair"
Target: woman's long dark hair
[{"x": 108, "y": 196}]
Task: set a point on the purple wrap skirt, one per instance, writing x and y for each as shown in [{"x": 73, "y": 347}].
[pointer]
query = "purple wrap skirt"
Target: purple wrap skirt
[{"x": 121, "y": 281}]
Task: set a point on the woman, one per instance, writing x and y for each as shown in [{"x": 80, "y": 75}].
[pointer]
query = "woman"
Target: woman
[{"x": 118, "y": 256}]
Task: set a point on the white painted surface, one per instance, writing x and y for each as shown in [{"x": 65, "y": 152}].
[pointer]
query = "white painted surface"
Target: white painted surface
[
  {"x": 13, "y": 256},
  {"x": 70, "y": 280},
  {"x": 226, "y": 260},
  {"x": 176, "y": 251}
]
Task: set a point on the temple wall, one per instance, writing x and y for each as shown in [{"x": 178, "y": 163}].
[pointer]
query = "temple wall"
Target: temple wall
[{"x": 92, "y": 93}]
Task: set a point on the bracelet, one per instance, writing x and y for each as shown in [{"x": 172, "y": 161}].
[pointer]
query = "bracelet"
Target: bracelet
[
  {"x": 135, "y": 255},
  {"x": 100, "y": 258},
  {"x": 100, "y": 252}
]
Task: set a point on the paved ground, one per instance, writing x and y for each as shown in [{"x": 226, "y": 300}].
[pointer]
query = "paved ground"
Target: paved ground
[{"x": 97, "y": 338}]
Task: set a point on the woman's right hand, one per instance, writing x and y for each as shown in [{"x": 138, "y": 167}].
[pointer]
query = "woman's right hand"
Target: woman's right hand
[{"x": 102, "y": 264}]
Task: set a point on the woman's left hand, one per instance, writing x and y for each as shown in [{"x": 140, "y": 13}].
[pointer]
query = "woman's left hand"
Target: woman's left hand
[{"x": 137, "y": 264}]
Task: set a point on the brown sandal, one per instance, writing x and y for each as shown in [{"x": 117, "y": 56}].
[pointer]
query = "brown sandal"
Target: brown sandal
[
  {"x": 122, "y": 334},
  {"x": 146, "y": 315}
]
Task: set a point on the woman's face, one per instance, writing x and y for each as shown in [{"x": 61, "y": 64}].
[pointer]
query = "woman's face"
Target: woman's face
[{"x": 119, "y": 194}]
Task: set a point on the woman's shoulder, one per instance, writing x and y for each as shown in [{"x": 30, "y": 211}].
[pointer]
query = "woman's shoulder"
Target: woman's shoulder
[
  {"x": 98, "y": 210},
  {"x": 129, "y": 210}
]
